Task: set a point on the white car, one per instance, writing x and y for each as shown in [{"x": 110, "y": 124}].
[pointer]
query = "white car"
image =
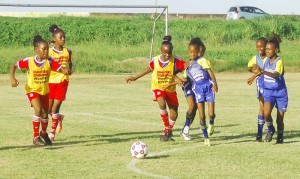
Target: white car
[{"x": 244, "y": 12}]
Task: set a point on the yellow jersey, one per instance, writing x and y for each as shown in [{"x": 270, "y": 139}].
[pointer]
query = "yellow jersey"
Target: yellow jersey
[
  {"x": 162, "y": 76},
  {"x": 62, "y": 57},
  {"x": 38, "y": 77}
]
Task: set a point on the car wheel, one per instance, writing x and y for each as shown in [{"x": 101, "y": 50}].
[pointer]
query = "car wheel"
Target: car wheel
[{"x": 241, "y": 18}]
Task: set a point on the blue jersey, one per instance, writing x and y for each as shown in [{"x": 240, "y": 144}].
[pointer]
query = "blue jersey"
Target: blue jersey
[
  {"x": 197, "y": 74},
  {"x": 273, "y": 83},
  {"x": 259, "y": 61}
]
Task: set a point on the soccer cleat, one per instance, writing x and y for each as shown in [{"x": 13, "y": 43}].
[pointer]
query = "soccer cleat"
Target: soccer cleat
[
  {"x": 185, "y": 136},
  {"x": 269, "y": 136},
  {"x": 59, "y": 125},
  {"x": 46, "y": 138},
  {"x": 279, "y": 139},
  {"x": 51, "y": 136},
  {"x": 185, "y": 133},
  {"x": 166, "y": 136},
  {"x": 259, "y": 138},
  {"x": 38, "y": 141},
  {"x": 211, "y": 129},
  {"x": 206, "y": 142}
]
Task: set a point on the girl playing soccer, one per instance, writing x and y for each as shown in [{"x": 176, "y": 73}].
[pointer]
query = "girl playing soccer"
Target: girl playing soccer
[
  {"x": 164, "y": 67},
  {"x": 204, "y": 86},
  {"x": 38, "y": 72},
  {"x": 58, "y": 82},
  {"x": 258, "y": 60},
  {"x": 190, "y": 97},
  {"x": 275, "y": 90}
]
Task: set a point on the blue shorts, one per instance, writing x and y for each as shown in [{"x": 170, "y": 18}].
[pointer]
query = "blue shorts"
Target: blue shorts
[
  {"x": 187, "y": 89},
  {"x": 279, "y": 98},
  {"x": 204, "y": 93},
  {"x": 259, "y": 87}
]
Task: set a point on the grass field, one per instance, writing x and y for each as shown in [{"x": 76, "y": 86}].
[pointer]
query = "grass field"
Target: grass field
[{"x": 104, "y": 116}]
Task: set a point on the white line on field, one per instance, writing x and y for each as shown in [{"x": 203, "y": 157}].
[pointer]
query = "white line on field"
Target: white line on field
[{"x": 132, "y": 164}]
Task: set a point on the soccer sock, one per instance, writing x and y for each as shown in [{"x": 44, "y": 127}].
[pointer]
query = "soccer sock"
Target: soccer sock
[
  {"x": 204, "y": 130},
  {"x": 171, "y": 123},
  {"x": 270, "y": 127},
  {"x": 54, "y": 122},
  {"x": 165, "y": 119},
  {"x": 192, "y": 117},
  {"x": 280, "y": 129},
  {"x": 188, "y": 119},
  {"x": 212, "y": 120},
  {"x": 260, "y": 125},
  {"x": 44, "y": 123},
  {"x": 36, "y": 125}
]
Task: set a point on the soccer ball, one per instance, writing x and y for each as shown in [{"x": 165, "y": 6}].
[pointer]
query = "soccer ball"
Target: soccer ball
[{"x": 139, "y": 150}]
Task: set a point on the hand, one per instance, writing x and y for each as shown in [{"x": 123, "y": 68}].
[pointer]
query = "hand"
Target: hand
[
  {"x": 130, "y": 78},
  {"x": 250, "y": 80},
  {"x": 70, "y": 71},
  {"x": 166, "y": 86},
  {"x": 14, "y": 82},
  {"x": 178, "y": 81},
  {"x": 215, "y": 88},
  {"x": 256, "y": 70}
]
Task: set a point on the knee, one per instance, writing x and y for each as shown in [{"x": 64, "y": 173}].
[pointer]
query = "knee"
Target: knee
[
  {"x": 38, "y": 111},
  {"x": 212, "y": 115}
]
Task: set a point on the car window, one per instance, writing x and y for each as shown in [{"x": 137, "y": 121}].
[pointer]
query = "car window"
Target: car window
[
  {"x": 259, "y": 11},
  {"x": 246, "y": 9},
  {"x": 232, "y": 9}
]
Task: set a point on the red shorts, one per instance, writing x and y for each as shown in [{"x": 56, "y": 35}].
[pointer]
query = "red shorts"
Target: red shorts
[
  {"x": 58, "y": 91},
  {"x": 43, "y": 98},
  {"x": 171, "y": 98}
]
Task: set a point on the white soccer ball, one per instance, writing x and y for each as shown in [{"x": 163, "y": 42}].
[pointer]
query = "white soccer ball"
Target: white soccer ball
[{"x": 139, "y": 150}]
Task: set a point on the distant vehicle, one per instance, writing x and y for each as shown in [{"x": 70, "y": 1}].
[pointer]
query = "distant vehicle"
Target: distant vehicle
[{"x": 244, "y": 12}]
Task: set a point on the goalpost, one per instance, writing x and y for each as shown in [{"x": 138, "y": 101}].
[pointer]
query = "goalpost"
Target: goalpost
[{"x": 164, "y": 10}]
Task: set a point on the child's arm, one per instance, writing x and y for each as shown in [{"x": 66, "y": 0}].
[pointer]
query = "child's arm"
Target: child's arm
[
  {"x": 139, "y": 75},
  {"x": 178, "y": 81},
  {"x": 213, "y": 78},
  {"x": 71, "y": 67},
  {"x": 13, "y": 81},
  {"x": 66, "y": 71},
  {"x": 251, "y": 79}
]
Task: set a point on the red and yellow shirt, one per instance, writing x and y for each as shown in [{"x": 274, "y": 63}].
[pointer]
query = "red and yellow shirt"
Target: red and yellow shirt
[
  {"x": 62, "y": 57},
  {"x": 163, "y": 72},
  {"x": 38, "y": 73}
]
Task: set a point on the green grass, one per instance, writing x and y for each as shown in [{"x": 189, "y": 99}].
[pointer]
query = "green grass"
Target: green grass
[
  {"x": 104, "y": 116},
  {"x": 121, "y": 44}
]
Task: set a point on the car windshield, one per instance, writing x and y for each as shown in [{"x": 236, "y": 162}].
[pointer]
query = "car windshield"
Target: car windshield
[
  {"x": 259, "y": 11},
  {"x": 232, "y": 9}
]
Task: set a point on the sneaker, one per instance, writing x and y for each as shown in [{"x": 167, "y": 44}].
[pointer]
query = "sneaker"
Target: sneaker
[
  {"x": 211, "y": 129},
  {"x": 166, "y": 136},
  {"x": 38, "y": 141},
  {"x": 185, "y": 133},
  {"x": 51, "y": 136},
  {"x": 46, "y": 138},
  {"x": 258, "y": 139},
  {"x": 59, "y": 125},
  {"x": 269, "y": 136},
  {"x": 206, "y": 142},
  {"x": 185, "y": 136},
  {"x": 279, "y": 139}
]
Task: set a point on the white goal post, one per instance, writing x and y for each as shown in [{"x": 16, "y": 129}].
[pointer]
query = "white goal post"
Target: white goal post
[{"x": 164, "y": 10}]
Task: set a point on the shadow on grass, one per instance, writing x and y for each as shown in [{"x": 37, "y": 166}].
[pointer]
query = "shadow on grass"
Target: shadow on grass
[
  {"x": 92, "y": 140},
  {"x": 157, "y": 157}
]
